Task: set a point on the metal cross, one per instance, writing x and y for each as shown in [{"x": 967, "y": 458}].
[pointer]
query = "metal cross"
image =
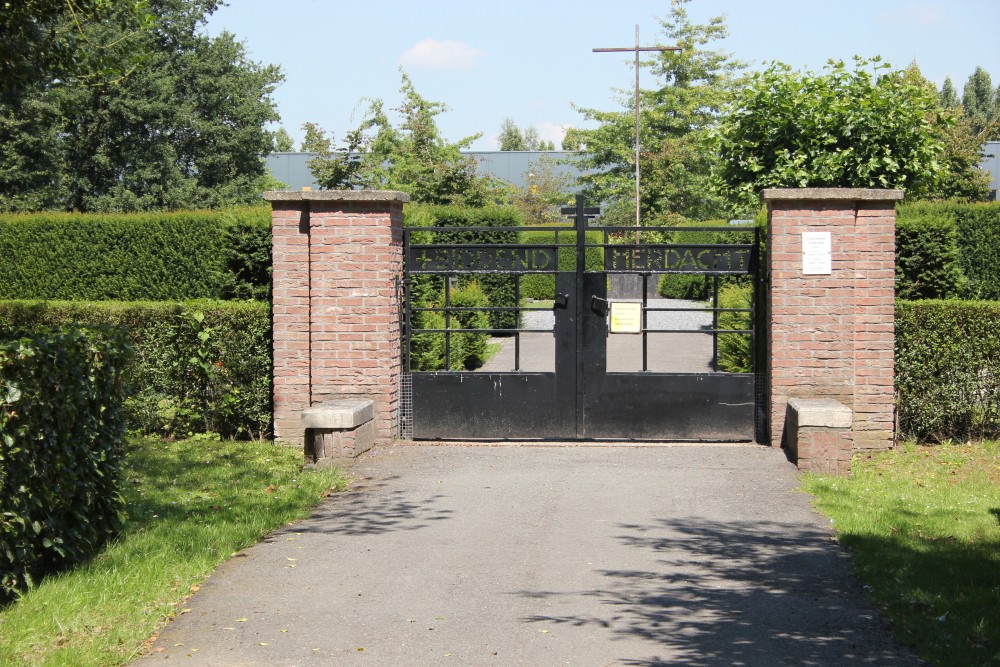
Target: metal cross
[{"x": 637, "y": 49}]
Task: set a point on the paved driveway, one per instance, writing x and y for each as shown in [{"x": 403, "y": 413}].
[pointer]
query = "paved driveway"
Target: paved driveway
[{"x": 480, "y": 555}]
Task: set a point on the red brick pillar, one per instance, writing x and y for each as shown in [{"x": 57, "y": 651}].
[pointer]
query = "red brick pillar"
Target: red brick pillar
[
  {"x": 831, "y": 331},
  {"x": 337, "y": 262}
]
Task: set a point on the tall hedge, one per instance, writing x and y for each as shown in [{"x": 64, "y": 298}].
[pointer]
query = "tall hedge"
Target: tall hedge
[
  {"x": 928, "y": 261},
  {"x": 197, "y": 366},
  {"x": 136, "y": 257},
  {"x": 62, "y": 432},
  {"x": 978, "y": 238},
  {"x": 948, "y": 369}
]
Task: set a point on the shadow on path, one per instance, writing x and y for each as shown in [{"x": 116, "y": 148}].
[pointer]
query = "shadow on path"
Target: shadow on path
[{"x": 739, "y": 593}]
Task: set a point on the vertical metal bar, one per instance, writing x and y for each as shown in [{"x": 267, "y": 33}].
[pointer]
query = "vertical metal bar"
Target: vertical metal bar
[
  {"x": 580, "y": 225},
  {"x": 447, "y": 323},
  {"x": 408, "y": 307},
  {"x": 638, "y": 223},
  {"x": 645, "y": 345},
  {"x": 715, "y": 323},
  {"x": 517, "y": 321}
]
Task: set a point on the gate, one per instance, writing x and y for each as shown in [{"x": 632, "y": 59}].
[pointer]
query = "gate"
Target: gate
[{"x": 576, "y": 340}]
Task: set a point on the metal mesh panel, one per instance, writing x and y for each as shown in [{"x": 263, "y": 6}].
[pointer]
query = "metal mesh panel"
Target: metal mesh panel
[{"x": 406, "y": 406}]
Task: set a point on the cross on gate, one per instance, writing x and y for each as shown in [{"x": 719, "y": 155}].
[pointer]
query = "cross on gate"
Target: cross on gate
[{"x": 637, "y": 49}]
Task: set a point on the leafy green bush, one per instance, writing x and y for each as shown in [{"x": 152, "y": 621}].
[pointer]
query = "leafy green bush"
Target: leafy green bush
[
  {"x": 62, "y": 434},
  {"x": 735, "y": 350},
  {"x": 978, "y": 229},
  {"x": 948, "y": 369},
  {"x": 149, "y": 256},
  {"x": 928, "y": 263},
  {"x": 693, "y": 285},
  {"x": 499, "y": 289},
  {"x": 429, "y": 351},
  {"x": 198, "y": 366}
]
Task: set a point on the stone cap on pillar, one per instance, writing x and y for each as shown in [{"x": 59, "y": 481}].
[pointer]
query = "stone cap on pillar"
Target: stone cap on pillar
[
  {"x": 337, "y": 195},
  {"x": 831, "y": 194}
]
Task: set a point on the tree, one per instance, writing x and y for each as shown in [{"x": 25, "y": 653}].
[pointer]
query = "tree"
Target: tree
[
  {"x": 694, "y": 85},
  {"x": 314, "y": 140},
  {"x": 869, "y": 127},
  {"x": 982, "y": 104},
  {"x": 546, "y": 190},
  {"x": 283, "y": 141},
  {"x": 184, "y": 128},
  {"x": 512, "y": 138},
  {"x": 42, "y": 40},
  {"x": 412, "y": 157},
  {"x": 948, "y": 94}
]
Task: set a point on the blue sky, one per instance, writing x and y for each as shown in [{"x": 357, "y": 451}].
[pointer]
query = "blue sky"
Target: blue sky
[{"x": 532, "y": 61}]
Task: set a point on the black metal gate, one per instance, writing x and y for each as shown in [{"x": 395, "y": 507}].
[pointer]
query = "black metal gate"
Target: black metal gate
[{"x": 563, "y": 358}]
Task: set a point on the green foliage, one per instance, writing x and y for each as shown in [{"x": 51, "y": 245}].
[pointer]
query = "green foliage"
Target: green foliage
[
  {"x": 978, "y": 228},
  {"x": 948, "y": 369},
  {"x": 735, "y": 349},
  {"x": 842, "y": 128},
  {"x": 191, "y": 505},
  {"x": 547, "y": 190},
  {"x": 197, "y": 366},
  {"x": 928, "y": 263},
  {"x": 692, "y": 285},
  {"x": 62, "y": 434},
  {"x": 466, "y": 350},
  {"x": 694, "y": 85},
  {"x": 499, "y": 289},
  {"x": 163, "y": 256},
  {"x": 170, "y": 118},
  {"x": 981, "y": 103},
  {"x": 412, "y": 157},
  {"x": 513, "y": 138}
]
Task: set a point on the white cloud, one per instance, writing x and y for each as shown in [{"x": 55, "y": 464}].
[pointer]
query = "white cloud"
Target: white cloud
[
  {"x": 441, "y": 54},
  {"x": 918, "y": 14}
]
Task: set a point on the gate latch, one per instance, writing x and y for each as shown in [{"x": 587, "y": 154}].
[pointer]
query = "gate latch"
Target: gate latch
[
  {"x": 599, "y": 305},
  {"x": 562, "y": 300}
]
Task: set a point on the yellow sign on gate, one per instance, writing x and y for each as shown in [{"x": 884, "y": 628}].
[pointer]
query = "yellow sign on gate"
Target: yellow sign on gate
[{"x": 626, "y": 317}]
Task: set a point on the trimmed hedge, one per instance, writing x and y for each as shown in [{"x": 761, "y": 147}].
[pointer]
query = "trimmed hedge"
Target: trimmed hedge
[
  {"x": 978, "y": 238},
  {"x": 197, "y": 366},
  {"x": 136, "y": 257},
  {"x": 948, "y": 369},
  {"x": 430, "y": 351},
  {"x": 62, "y": 439},
  {"x": 928, "y": 262}
]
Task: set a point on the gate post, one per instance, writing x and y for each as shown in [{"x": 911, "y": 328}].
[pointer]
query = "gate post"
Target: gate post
[
  {"x": 831, "y": 310},
  {"x": 337, "y": 262}
]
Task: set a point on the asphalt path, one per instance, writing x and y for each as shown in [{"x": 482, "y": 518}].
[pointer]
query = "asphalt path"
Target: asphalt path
[{"x": 544, "y": 555}]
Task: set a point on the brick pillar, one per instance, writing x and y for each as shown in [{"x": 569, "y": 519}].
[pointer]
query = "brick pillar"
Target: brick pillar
[
  {"x": 337, "y": 262},
  {"x": 831, "y": 335}
]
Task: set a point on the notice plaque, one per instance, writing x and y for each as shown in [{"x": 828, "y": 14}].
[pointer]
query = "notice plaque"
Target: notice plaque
[
  {"x": 626, "y": 317},
  {"x": 817, "y": 253}
]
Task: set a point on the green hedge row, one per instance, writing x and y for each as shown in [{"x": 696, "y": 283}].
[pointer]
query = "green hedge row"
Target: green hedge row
[
  {"x": 932, "y": 237},
  {"x": 196, "y": 367},
  {"x": 62, "y": 439},
  {"x": 948, "y": 369},
  {"x": 136, "y": 257},
  {"x": 543, "y": 285}
]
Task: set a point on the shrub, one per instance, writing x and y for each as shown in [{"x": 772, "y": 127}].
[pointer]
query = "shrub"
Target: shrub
[
  {"x": 149, "y": 256},
  {"x": 429, "y": 351},
  {"x": 693, "y": 285},
  {"x": 928, "y": 263},
  {"x": 198, "y": 366},
  {"x": 735, "y": 350},
  {"x": 948, "y": 369},
  {"x": 978, "y": 229},
  {"x": 61, "y": 445}
]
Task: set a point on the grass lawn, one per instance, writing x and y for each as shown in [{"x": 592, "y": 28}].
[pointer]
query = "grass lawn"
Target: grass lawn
[
  {"x": 923, "y": 525},
  {"x": 191, "y": 505}
]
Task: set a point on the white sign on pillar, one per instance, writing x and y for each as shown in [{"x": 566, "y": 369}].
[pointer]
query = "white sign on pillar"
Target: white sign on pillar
[{"x": 817, "y": 253}]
